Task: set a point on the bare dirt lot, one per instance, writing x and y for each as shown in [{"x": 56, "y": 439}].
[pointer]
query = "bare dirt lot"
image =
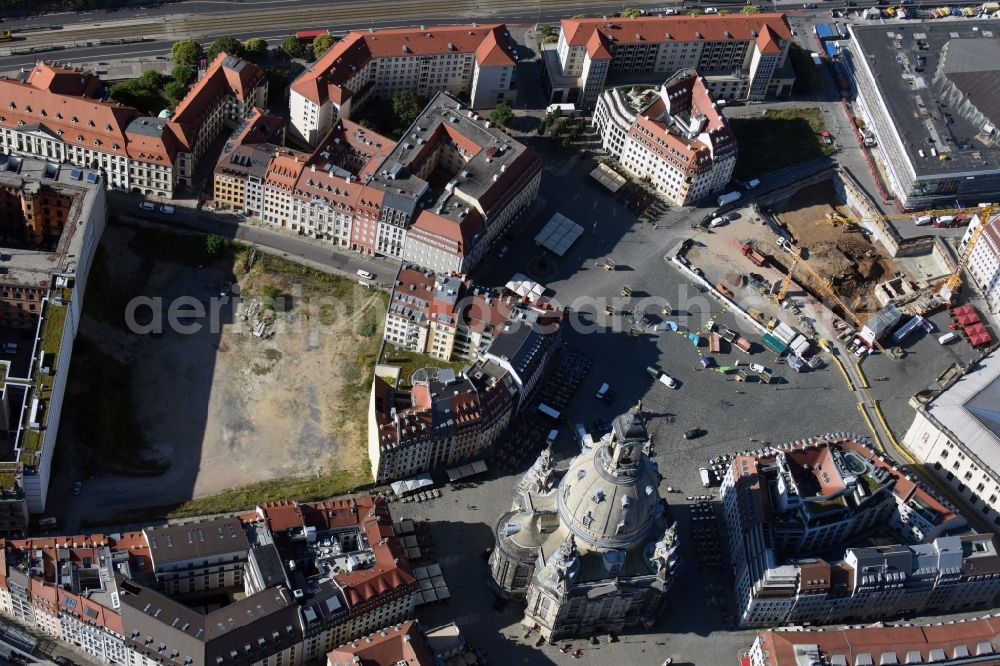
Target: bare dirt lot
[
  {"x": 836, "y": 249},
  {"x": 220, "y": 407}
]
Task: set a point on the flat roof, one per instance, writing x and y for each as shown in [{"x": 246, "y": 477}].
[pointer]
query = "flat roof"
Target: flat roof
[
  {"x": 203, "y": 538},
  {"x": 905, "y": 60}
]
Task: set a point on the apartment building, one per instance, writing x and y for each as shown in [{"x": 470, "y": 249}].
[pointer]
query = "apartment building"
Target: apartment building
[
  {"x": 197, "y": 556},
  {"x": 336, "y": 573},
  {"x": 474, "y": 63},
  {"x": 740, "y": 56},
  {"x": 439, "y": 198},
  {"x": 937, "y": 141},
  {"x": 954, "y": 434},
  {"x": 224, "y": 95},
  {"x": 784, "y": 505},
  {"x": 446, "y": 316},
  {"x": 450, "y": 188},
  {"x": 954, "y": 643},
  {"x": 54, "y": 216},
  {"x": 53, "y": 112},
  {"x": 983, "y": 264},
  {"x": 446, "y": 419},
  {"x": 399, "y": 644},
  {"x": 674, "y": 137}
]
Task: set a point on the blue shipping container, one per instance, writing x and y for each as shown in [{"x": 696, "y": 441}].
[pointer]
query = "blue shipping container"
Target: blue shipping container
[{"x": 825, "y": 31}]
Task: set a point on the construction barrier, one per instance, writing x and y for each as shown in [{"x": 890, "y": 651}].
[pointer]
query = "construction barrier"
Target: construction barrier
[
  {"x": 843, "y": 371},
  {"x": 861, "y": 375},
  {"x": 871, "y": 426},
  {"x": 888, "y": 430}
]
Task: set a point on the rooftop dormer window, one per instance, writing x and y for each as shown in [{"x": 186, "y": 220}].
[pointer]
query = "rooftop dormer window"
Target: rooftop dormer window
[{"x": 74, "y": 119}]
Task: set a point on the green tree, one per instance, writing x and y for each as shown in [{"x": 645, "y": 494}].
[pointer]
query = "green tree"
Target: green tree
[
  {"x": 502, "y": 114},
  {"x": 229, "y": 45},
  {"x": 182, "y": 74},
  {"x": 631, "y": 12},
  {"x": 151, "y": 79},
  {"x": 293, "y": 47},
  {"x": 322, "y": 44},
  {"x": 186, "y": 52},
  {"x": 255, "y": 48},
  {"x": 132, "y": 93},
  {"x": 406, "y": 106},
  {"x": 550, "y": 39},
  {"x": 214, "y": 245},
  {"x": 174, "y": 92},
  {"x": 749, "y": 9}
]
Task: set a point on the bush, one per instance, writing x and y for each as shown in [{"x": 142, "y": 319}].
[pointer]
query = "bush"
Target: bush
[
  {"x": 293, "y": 47},
  {"x": 151, "y": 79},
  {"x": 631, "y": 12},
  {"x": 696, "y": 11},
  {"x": 550, "y": 39},
  {"x": 214, "y": 245},
  {"x": 502, "y": 114},
  {"x": 186, "y": 52}
]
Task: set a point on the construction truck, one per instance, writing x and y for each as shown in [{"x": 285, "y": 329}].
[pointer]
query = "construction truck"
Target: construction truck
[{"x": 751, "y": 253}]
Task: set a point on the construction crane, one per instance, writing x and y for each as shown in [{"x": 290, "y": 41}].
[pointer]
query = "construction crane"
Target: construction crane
[{"x": 955, "y": 279}]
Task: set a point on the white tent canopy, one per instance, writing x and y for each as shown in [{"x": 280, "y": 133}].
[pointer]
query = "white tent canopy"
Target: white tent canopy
[
  {"x": 464, "y": 471},
  {"x": 524, "y": 287},
  {"x": 411, "y": 484},
  {"x": 558, "y": 234}
]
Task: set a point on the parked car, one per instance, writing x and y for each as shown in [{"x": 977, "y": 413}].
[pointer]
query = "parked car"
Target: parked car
[
  {"x": 693, "y": 433},
  {"x": 167, "y": 210},
  {"x": 10, "y": 348},
  {"x": 711, "y": 10},
  {"x": 145, "y": 205},
  {"x": 77, "y": 487},
  {"x": 503, "y": 251},
  {"x": 365, "y": 275}
]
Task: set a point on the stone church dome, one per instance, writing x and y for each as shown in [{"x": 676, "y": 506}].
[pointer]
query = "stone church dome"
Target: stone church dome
[{"x": 609, "y": 497}]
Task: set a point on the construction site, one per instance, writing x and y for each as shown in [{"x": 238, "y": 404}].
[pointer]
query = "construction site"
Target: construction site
[{"x": 819, "y": 248}]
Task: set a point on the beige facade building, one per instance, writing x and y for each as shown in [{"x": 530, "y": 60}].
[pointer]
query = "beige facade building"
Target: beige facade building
[
  {"x": 741, "y": 56},
  {"x": 955, "y": 434},
  {"x": 473, "y": 62}
]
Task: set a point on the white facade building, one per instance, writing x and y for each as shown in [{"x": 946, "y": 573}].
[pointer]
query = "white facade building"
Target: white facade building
[{"x": 674, "y": 136}]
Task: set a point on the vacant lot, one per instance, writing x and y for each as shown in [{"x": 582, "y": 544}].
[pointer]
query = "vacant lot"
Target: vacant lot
[
  {"x": 232, "y": 417},
  {"x": 777, "y": 139}
]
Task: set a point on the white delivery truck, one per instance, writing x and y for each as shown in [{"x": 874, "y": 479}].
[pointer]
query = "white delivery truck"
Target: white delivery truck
[
  {"x": 948, "y": 337},
  {"x": 706, "y": 476},
  {"x": 548, "y": 411},
  {"x": 923, "y": 220},
  {"x": 728, "y": 198}
]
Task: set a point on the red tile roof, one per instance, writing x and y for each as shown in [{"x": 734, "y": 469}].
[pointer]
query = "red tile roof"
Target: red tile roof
[
  {"x": 596, "y": 48},
  {"x": 327, "y": 78},
  {"x": 80, "y": 121},
  {"x": 767, "y": 41},
  {"x": 675, "y": 28},
  {"x": 401, "y": 645},
  {"x": 781, "y": 648}
]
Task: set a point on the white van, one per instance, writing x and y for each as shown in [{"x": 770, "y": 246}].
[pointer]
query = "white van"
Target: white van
[
  {"x": 948, "y": 337},
  {"x": 923, "y": 220},
  {"x": 717, "y": 222},
  {"x": 365, "y": 275},
  {"x": 603, "y": 391},
  {"x": 752, "y": 183}
]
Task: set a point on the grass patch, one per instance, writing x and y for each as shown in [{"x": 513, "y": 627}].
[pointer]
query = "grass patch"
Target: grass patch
[
  {"x": 55, "y": 320},
  {"x": 249, "y": 496},
  {"x": 776, "y": 140},
  {"x": 408, "y": 362}
]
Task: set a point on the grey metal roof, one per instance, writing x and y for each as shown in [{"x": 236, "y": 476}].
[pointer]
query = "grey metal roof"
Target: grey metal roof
[
  {"x": 147, "y": 126},
  {"x": 204, "y": 538}
]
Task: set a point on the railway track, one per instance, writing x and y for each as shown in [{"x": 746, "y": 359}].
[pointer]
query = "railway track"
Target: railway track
[{"x": 333, "y": 14}]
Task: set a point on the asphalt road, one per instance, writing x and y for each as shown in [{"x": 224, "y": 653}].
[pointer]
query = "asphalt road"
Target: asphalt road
[
  {"x": 76, "y": 36},
  {"x": 298, "y": 248}
]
